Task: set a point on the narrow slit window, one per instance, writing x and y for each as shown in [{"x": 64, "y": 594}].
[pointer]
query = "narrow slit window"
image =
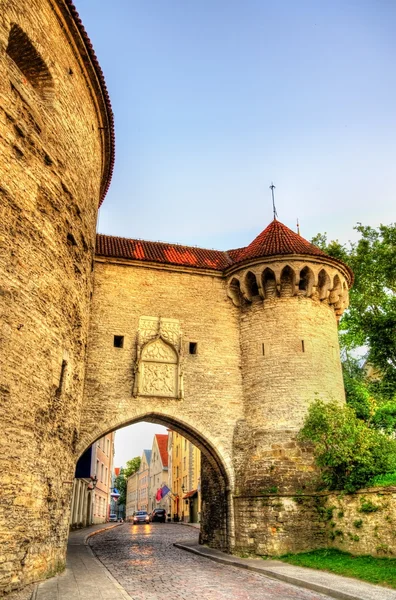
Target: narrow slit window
[
  {"x": 193, "y": 348},
  {"x": 62, "y": 377},
  {"x": 302, "y": 346},
  {"x": 263, "y": 348},
  {"x": 118, "y": 341}
]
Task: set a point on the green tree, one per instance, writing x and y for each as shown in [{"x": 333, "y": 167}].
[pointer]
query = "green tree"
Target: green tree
[
  {"x": 120, "y": 482},
  {"x": 348, "y": 452},
  {"x": 370, "y": 321}
]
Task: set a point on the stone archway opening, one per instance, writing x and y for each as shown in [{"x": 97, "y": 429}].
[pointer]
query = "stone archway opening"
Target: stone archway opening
[{"x": 216, "y": 513}]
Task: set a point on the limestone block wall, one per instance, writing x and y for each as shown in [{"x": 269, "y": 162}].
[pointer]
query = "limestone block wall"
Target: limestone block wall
[
  {"x": 362, "y": 523},
  {"x": 290, "y": 357},
  {"x": 359, "y": 523},
  {"x": 51, "y": 171},
  {"x": 274, "y": 524}
]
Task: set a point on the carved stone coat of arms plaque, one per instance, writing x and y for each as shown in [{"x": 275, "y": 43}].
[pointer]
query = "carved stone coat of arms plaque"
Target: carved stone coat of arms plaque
[{"x": 158, "y": 358}]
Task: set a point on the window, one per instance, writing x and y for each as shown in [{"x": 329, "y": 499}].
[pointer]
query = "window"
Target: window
[
  {"x": 101, "y": 472},
  {"x": 185, "y": 444},
  {"x": 21, "y": 50},
  {"x": 184, "y": 463},
  {"x": 193, "y": 348},
  {"x": 97, "y": 468},
  {"x": 118, "y": 341}
]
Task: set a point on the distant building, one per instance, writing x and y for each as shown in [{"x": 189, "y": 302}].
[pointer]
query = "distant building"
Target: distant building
[
  {"x": 132, "y": 495},
  {"x": 184, "y": 479},
  {"x": 90, "y": 502},
  {"x": 143, "y": 481},
  {"x": 159, "y": 472},
  {"x": 104, "y": 454}
]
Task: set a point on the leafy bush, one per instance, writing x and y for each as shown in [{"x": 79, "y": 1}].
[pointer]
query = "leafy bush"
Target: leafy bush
[{"x": 348, "y": 452}]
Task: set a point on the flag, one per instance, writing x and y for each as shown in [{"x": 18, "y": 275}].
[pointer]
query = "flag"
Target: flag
[
  {"x": 159, "y": 495},
  {"x": 164, "y": 490}
]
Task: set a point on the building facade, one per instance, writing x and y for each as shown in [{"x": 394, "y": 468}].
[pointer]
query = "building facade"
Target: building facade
[
  {"x": 144, "y": 481},
  {"x": 159, "y": 472},
  {"x": 103, "y": 456},
  {"x": 184, "y": 479},
  {"x": 92, "y": 485},
  {"x": 132, "y": 495}
]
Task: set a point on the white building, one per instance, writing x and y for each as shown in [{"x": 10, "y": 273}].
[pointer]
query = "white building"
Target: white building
[{"x": 159, "y": 472}]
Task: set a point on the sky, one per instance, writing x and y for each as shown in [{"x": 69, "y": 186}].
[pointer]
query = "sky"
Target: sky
[{"x": 213, "y": 100}]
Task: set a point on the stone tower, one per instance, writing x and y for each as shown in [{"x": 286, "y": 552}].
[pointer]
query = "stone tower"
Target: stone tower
[
  {"x": 56, "y": 148},
  {"x": 290, "y": 295}
]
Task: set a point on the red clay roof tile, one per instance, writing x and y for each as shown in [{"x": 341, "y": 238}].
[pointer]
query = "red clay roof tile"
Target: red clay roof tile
[
  {"x": 275, "y": 240},
  {"x": 161, "y": 252}
]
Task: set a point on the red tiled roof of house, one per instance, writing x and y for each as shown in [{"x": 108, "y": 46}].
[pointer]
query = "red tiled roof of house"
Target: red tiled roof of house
[
  {"x": 162, "y": 441},
  {"x": 161, "y": 252},
  {"x": 117, "y": 471}
]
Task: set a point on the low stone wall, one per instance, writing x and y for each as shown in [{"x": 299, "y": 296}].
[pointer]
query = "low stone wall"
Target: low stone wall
[
  {"x": 364, "y": 522},
  {"x": 274, "y": 524}
]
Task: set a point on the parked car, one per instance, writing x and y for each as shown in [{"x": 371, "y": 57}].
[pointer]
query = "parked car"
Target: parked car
[
  {"x": 158, "y": 514},
  {"x": 141, "y": 516},
  {"x": 113, "y": 517}
]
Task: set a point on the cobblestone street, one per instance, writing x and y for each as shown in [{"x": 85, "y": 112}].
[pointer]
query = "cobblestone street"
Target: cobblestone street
[{"x": 144, "y": 561}]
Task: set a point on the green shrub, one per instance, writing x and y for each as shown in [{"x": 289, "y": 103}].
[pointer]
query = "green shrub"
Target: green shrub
[
  {"x": 358, "y": 523},
  {"x": 348, "y": 452},
  {"x": 366, "y": 506}
]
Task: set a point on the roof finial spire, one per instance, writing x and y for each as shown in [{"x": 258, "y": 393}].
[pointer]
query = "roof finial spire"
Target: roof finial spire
[
  {"x": 298, "y": 227},
  {"x": 272, "y": 187}
]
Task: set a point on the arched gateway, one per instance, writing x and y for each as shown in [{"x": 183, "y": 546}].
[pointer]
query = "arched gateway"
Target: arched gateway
[{"x": 228, "y": 348}]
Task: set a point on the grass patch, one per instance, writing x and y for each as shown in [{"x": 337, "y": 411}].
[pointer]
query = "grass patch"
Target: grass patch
[
  {"x": 383, "y": 480},
  {"x": 380, "y": 571}
]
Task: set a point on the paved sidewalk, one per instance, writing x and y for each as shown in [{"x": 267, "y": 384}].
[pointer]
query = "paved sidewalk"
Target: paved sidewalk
[
  {"x": 344, "y": 588},
  {"x": 85, "y": 578}
]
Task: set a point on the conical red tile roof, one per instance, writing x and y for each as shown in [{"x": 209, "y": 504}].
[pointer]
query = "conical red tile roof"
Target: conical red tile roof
[{"x": 276, "y": 239}]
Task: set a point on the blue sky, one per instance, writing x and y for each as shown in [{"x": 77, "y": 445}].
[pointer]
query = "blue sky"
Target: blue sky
[{"x": 215, "y": 99}]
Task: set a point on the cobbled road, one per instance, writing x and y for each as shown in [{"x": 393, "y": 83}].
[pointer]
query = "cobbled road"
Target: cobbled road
[{"x": 144, "y": 561}]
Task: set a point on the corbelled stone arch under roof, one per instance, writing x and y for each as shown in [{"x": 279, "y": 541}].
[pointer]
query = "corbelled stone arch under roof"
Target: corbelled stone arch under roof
[
  {"x": 217, "y": 474},
  {"x": 251, "y": 285}
]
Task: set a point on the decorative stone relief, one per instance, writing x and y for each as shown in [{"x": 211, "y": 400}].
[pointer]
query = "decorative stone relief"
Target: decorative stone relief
[{"x": 158, "y": 358}]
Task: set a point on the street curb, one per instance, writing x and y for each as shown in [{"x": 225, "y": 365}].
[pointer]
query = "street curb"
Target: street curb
[
  {"x": 116, "y": 583},
  {"x": 194, "y": 525},
  {"x": 266, "y": 571},
  {"x": 89, "y": 535}
]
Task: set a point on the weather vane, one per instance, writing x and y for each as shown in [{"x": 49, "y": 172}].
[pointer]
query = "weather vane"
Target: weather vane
[{"x": 272, "y": 187}]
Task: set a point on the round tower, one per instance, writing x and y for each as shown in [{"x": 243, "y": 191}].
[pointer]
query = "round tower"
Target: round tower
[
  {"x": 56, "y": 149},
  {"x": 290, "y": 295}
]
